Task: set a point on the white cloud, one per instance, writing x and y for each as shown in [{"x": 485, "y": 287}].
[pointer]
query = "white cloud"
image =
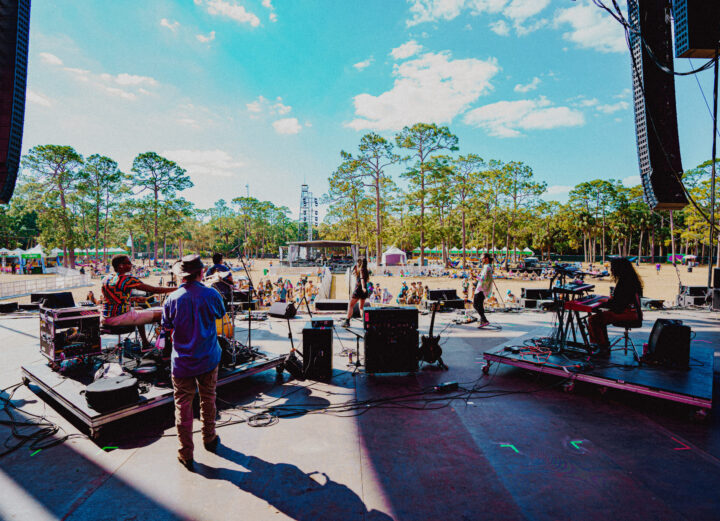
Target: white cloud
[
  {"x": 591, "y": 28},
  {"x": 614, "y": 107},
  {"x": 232, "y": 10},
  {"x": 431, "y": 88},
  {"x": 46, "y": 57},
  {"x": 267, "y": 4},
  {"x": 632, "y": 180},
  {"x": 432, "y": 10},
  {"x": 406, "y": 50},
  {"x": 287, "y": 126},
  {"x": 120, "y": 93},
  {"x": 529, "y": 86},
  {"x": 203, "y": 163},
  {"x": 38, "y": 99},
  {"x": 206, "y": 39},
  {"x": 516, "y": 11},
  {"x": 363, "y": 64},
  {"x": 508, "y": 118},
  {"x": 623, "y": 94},
  {"x": 131, "y": 79},
  {"x": 558, "y": 189},
  {"x": 263, "y": 105},
  {"x": 173, "y": 26},
  {"x": 520, "y": 10},
  {"x": 500, "y": 27}
]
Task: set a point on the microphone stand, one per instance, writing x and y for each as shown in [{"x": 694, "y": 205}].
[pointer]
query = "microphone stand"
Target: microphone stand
[{"x": 250, "y": 292}]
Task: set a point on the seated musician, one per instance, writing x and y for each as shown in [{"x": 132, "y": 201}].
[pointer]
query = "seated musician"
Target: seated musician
[
  {"x": 223, "y": 282},
  {"x": 117, "y": 289},
  {"x": 621, "y": 307},
  {"x": 217, "y": 266}
]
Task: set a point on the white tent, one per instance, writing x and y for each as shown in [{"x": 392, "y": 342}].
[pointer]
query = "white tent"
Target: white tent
[{"x": 394, "y": 257}]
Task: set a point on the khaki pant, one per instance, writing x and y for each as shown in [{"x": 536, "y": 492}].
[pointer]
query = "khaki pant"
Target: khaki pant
[{"x": 184, "y": 392}]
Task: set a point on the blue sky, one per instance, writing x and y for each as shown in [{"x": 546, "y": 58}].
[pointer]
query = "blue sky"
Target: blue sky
[{"x": 266, "y": 93}]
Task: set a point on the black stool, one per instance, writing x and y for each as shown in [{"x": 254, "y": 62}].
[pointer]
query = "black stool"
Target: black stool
[{"x": 629, "y": 325}]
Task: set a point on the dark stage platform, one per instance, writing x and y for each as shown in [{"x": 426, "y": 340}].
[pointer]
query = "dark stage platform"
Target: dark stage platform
[
  {"x": 692, "y": 387},
  {"x": 67, "y": 392}
]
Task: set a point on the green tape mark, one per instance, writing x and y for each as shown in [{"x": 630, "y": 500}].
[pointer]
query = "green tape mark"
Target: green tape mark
[
  {"x": 35, "y": 452},
  {"x": 573, "y": 443},
  {"x": 511, "y": 446}
]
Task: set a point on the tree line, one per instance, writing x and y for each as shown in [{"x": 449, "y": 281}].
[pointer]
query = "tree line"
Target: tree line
[
  {"x": 417, "y": 190},
  {"x": 443, "y": 198},
  {"x": 66, "y": 201}
]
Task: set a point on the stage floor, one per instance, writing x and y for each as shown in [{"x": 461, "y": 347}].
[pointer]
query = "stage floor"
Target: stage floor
[
  {"x": 508, "y": 445},
  {"x": 620, "y": 371},
  {"x": 67, "y": 392}
]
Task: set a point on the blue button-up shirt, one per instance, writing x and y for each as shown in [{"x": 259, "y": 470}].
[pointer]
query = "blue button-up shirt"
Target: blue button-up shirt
[{"x": 190, "y": 312}]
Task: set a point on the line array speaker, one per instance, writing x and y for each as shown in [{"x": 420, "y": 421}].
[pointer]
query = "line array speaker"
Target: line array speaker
[
  {"x": 655, "y": 111},
  {"x": 14, "y": 35}
]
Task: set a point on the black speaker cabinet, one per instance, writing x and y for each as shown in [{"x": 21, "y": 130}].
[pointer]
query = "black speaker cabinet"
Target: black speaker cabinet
[
  {"x": 669, "y": 344},
  {"x": 655, "y": 111},
  {"x": 317, "y": 352},
  {"x": 282, "y": 310},
  {"x": 442, "y": 294},
  {"x": 536, "y": 293},
  {"x": 53, "y": 299},
  {"x": 716, "y": 278},
  {"x": 716, "y": 300},
  {"x": 391, "y": 340},
  {"x": 14, "y": 35}
]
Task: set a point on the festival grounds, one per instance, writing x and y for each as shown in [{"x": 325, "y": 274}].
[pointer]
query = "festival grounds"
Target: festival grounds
[{"x": 662, "y": 285}]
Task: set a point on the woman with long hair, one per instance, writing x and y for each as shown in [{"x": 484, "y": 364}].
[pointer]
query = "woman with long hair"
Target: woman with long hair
[
  {"x": 362, "y": 277},
  {"x": 622, "y": 306}
]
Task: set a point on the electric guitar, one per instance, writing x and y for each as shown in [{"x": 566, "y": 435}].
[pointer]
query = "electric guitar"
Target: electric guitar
[{"x": 430, "y": 350}]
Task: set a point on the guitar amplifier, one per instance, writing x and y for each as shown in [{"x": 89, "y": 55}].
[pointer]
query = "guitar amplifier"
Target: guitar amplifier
[
  {"x": 317, "y": 352},
  {"x": 669, "y": 344},
  {"x": 67, "y": 333},
  {"x": 391, "y": 340}
]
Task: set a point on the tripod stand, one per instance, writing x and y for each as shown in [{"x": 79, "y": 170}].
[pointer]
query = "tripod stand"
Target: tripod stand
[{"x": 249, "y": 301}]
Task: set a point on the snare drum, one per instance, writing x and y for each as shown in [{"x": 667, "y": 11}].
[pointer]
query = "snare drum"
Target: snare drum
[{"x": 225, "y": 327}]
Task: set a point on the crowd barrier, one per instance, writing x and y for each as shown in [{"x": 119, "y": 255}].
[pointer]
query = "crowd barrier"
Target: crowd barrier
[{"x": 27, "y": 286}]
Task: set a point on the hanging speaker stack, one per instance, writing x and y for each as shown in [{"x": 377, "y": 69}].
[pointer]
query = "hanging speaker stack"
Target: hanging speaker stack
[
  {"x": 14, "y": 34},
  {"x": 655, "y": 111}
]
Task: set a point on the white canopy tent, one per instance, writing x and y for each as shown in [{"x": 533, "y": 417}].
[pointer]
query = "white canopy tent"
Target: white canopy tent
[{"x": 394, "y": 257}]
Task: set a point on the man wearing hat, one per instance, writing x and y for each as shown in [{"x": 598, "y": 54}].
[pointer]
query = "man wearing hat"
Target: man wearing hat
[{"x": 189, "y": 314}]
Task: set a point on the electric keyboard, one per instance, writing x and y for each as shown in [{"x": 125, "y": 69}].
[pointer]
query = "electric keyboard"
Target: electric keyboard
[
  {"x": 587, "y": 304},
  {"x": 573, "y": 288}
]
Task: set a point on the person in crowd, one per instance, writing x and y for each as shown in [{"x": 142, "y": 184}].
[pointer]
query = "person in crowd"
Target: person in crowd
[
  {"x": 189, "y": 316},
  {"x": 483, "y": 289},
  {"x": 117, "y": 292},
  {"x": 465, "y": 289},
  {"x": 402, "y": 296},
  {"x": 360, "y": 294},
  {"x": 386, "y": 297},
  {"x": 622, "y": 306},
  {"x": 90, "y": 297},
  {"x": 218, "y": 265}
]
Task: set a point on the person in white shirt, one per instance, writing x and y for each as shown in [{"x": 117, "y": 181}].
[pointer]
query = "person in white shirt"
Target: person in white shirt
[{"x": 483, "y": 288}]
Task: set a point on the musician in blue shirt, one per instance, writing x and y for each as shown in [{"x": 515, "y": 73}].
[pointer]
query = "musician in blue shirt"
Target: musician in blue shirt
[{"x": 189, "y": 314}]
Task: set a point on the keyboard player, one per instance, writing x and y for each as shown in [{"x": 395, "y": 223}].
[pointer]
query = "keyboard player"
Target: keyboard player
[{"x": 621, "y": 307}]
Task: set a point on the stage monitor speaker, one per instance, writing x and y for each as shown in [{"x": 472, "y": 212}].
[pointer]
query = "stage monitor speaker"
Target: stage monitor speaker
[
  {"x": 54, "y": 299},
  {"x": 282, "y": 310},
  {"x": 655, "y": 111},
  {"x": 442, "y": 294},
  {"x": 14, "y": 37},
  {"x": 669, "y": 344},
  {"x": 391, "y": 339},
  {"x": 317, "y": 352},
  {"x": 716, "y": 300},
  {"x": 716, "y": 278},
  {"x": 696, "y": 25}
]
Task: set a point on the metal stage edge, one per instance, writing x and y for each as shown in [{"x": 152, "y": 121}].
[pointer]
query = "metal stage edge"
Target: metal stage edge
[
  {"x": 96, "y": 420},
  {"x": 495, "y": 355}
]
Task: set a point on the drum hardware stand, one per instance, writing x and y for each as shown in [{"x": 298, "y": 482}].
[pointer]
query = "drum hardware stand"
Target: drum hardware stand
[
  {"x": 356, "y": 364},
  {"x": 250, "y": 294}
]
